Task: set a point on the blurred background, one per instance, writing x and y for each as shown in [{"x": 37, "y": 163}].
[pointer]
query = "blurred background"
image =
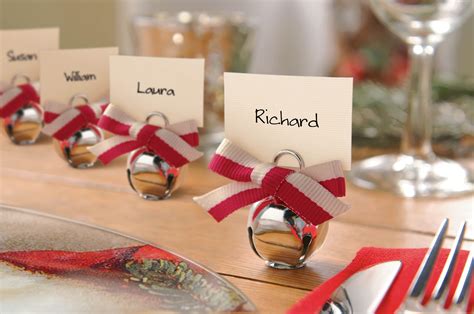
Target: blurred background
[{"x": 288, "y": 37}]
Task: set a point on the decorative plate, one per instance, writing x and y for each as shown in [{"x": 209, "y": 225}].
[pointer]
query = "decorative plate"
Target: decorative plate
[{"x": 53, "y": 265}]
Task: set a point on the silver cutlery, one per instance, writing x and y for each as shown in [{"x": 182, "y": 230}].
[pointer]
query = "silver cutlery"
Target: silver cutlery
[
  {"x": 413, "y": 302},
  {"x": 363, "y": 291}
]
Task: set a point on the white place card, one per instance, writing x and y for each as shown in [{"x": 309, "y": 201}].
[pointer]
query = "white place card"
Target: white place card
[
  {"x": 310, "y": 115},
  {"x": 65, "y": 73},
  {"x": 19, "y": 52},
  {"x": 173, "y": 86}
]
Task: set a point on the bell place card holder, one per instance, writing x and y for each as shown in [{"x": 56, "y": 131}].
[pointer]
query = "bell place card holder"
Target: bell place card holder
[
  {"x": 20, "y": 112},
  {"x": 74, "y": 94},
  {"x": 271, "y": 122},
  {"x": 157, "y": 107}
]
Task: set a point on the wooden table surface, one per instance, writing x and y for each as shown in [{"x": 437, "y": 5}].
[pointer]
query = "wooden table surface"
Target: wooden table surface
[{"x": 35, "y": 177}]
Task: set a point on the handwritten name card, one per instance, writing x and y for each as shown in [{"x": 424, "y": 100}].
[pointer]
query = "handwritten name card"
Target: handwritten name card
[
  {"x": 19, "y": 52},
  {"x": 173, "y": 86},
  {"x": 65, "y": 73},
  {"x": 310, "y": 115}
]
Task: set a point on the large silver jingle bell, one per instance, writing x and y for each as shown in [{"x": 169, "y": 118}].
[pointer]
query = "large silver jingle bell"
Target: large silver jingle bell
[
  {"x": 74, "y": 150},
  {"x": 24, "y": 126},
  {"x": 278, "y": 235},
  {"x": 151, "y": 176}
]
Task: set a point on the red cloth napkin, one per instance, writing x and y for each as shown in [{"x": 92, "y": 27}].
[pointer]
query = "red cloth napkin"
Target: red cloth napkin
[{"x": 366, "y": 257}]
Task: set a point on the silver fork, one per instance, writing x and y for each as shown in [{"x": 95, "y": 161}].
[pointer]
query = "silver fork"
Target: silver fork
[{"x": 413, "y": 302}]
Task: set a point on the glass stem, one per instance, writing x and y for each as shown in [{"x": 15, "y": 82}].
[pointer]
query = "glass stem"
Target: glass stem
[{"x": 416, "y": 137}]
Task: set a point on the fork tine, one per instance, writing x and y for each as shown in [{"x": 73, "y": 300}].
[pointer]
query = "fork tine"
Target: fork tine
[
  {"x": 421, "y": 278},
  {"x": 461, "y": 296},
  {"x": 441, "y": 288}
]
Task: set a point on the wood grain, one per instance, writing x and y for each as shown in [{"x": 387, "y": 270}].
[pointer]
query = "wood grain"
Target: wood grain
[
  {"x": 368, "y": 207},
  {"x": 269, "y": 298},
  {"x": 35, "y": 177},
  {"x": 182, "y": 226}
]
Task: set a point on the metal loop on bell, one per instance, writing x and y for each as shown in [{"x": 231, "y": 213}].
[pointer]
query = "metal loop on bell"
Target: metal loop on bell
[
  {"x": 291, "y": 153},
  {"x": 78, "y": 96},
  {"x": 158, "y": 114},
  {"x": 16, "y": 77}
]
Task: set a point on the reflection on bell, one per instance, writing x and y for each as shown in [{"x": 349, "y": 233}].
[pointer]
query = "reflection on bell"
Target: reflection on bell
[
  {"x": 152, "y": 177},
  {"x": 24, "y": 126},
  {"x": 74, "y": 149},
  {"x": 280, "y": 237}
]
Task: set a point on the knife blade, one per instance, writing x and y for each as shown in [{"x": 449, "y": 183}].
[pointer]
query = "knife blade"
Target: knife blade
[{"x": 363, "y": 291}]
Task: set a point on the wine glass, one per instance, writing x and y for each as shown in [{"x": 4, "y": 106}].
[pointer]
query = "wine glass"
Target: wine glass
[{"x": 417, "y": 171}]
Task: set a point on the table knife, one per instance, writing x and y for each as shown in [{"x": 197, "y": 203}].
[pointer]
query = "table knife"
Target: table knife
[{"x": 364, "y": 290}]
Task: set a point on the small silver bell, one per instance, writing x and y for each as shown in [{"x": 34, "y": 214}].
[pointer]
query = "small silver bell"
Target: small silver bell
[
  {"x": 24, "y": 126},
  {"x": 282, "y": 238},
  {"x": 152, "y": 177},
  {"x": 278, "y": 235},
  {"x": 149, "y": 175},
  {"x": 74, "y": 149}
]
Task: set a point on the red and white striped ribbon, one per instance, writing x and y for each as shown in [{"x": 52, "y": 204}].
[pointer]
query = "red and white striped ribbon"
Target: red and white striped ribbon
[
  {"x": 15, "y": 97},
  {"x": 311, "y": 193},
  {"x": 174, "y": 143},
  {"x": 62, "y": 120}
]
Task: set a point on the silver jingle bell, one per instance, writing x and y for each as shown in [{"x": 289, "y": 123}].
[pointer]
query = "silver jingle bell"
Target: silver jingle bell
[
  {"x": 278, "y": 235},
  {"x": 24, "y": 126},
  {"x": 75, "y": 149},
  {"x": 281, "y": 237},
  {"x": 152, "y": 177}
]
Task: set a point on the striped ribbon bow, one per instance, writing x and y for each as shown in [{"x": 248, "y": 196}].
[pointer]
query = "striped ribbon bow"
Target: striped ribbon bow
[
  {"x": 62, "y": 120},
  {"x": 174, "y": 143},
  {"x": 311, "y": 192},
  {"x": 13, "y": 98}
]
